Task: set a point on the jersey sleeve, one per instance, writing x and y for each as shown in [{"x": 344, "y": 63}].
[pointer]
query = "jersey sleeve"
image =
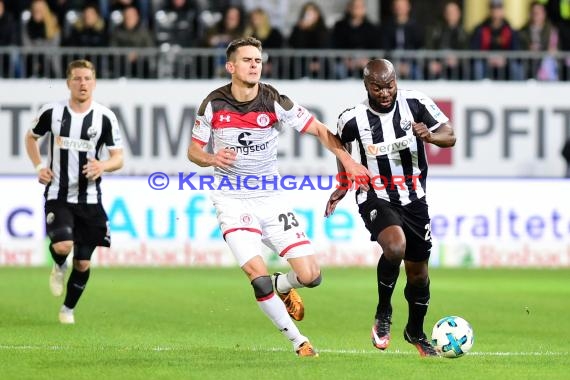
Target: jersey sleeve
[
  {"x": 292, "y": 115},
  {"x": 347, "y": 129},
  {"x": 202, "y": 128},
  {"x": 430, "y": 114},
  {"x": 111, "y": 134},
  {"x": 42, "y": 123}
]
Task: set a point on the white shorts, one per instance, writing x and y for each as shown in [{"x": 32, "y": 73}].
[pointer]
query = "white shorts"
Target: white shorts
[{"x": 271, "y": 217}]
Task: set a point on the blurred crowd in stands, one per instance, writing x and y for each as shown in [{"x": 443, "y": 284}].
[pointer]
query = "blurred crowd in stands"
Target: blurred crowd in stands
[{"x": 189, "y": 24}]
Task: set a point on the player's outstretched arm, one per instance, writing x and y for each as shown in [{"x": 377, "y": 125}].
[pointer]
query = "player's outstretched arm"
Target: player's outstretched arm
[
  {"x": 223, "y": 158},
  {"x": 333, "y": 143}
]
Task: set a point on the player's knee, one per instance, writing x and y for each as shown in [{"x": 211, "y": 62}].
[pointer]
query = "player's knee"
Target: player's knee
[
  {"x": 395, "y": 251},
  {"x": 262, "y": 286},
  {"x": 315, "y": 282},
  {"x": 81, "y": 265},
  {"x": 62, "y": 247},
  {"x": 417, "y": 273}
]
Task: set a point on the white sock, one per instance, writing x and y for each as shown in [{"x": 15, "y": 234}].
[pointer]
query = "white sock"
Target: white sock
[
  {"x": 276, "y": 311},
  {"x": 65, "y": 309},
  {"x": 287, "y": 282}
]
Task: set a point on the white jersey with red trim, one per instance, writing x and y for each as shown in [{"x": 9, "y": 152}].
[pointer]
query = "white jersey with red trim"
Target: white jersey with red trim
[{"x": 251, "y": 129}]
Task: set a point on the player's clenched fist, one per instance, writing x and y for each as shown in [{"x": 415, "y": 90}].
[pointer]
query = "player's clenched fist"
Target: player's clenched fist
[
  {"x": 45, "y": 175},
  {"x": 421, "y": 130}
]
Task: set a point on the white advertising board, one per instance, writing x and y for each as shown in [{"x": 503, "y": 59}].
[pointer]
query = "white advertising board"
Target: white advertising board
[
  {"x": 503, "y": 129},
  {"x": 475, "y": 223}
]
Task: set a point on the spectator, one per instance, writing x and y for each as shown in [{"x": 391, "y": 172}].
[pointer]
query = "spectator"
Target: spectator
[
  {"x": 277, "y": 11},
  {"x": 230, "y": 27},
  {"x": 8, "y": 37},
  {"x": 354, "y": 31},
  {"x": 447, "y": 35},
  {"x": 559, "y": 14},
  {"x": 61, "y": 7},
  {"x": 142, "y": 6},
  {"x": 42, "y": 30},
  {"x": 401, "y": 32},
  {"x": 539, "y": 35},
  {"x": 134, "y": 34},
  {"x": 496, "y": 34},
  {"x": 179, "y": 24},
  {"x": 260, "y": 28},
  {"x": 309, "y": 32},
  {"x": 89, "y": 30}
]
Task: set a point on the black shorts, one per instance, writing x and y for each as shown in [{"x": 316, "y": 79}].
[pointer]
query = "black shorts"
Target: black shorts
[
  {"x": 83, "y": 223},
  {"x": 413, "y": 218}
]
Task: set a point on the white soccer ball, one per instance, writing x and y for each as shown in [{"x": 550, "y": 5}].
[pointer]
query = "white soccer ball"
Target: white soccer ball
[{"x": 452, "y": 336}]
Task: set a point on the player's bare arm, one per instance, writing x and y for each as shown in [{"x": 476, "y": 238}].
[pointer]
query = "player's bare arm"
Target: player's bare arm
[
  {"x": 44, "y": 173},
  {"x": 333, "y": 143},
  {"x": 223, "y": 158},
  {"x": 94, "y": 169},
  {"x": 444, "y": 137},
  {"x": 339, "y": 193}
]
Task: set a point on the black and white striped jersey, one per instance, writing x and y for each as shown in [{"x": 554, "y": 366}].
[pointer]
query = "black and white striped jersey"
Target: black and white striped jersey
[
  {"x": 73, "y": 138},
  {"x": 388, "y": 148}
]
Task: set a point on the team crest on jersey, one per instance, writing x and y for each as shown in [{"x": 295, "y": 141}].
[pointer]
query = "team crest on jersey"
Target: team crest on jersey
[
  {"x": 373, "y": 215},
  {"x": 263, "y": 120},
  {"x": 406, "y": 125},
  {"x": 91, "y": 132},
  {"x": 246, "y": 219},
  {"x": 50, "y": 217}
]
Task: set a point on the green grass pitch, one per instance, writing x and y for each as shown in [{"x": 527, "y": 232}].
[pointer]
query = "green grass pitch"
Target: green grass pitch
[{"x": 204, "y": 324}]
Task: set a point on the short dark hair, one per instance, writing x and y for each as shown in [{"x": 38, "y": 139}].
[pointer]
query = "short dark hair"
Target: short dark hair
[
  {"x": 240, "y": 42},
  {"x": 80, "y": 64}
]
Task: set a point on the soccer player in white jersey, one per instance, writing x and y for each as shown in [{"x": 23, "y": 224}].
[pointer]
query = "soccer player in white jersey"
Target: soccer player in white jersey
[
  {"x": 77, "y": 129},
  {"x": 239, "y": 120},
  {"x": 390, "y": 128}
]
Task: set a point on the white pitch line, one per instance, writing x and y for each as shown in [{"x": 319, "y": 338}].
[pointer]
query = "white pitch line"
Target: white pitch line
[
  {"x": 279, "y": 349},
  {"x": 398, "y": 352}
]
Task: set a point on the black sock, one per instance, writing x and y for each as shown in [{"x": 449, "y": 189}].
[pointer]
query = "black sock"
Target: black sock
[
  {"x": 387, "y": 274},
  {"x": 59, "y": 259},
  {"x": 75, "y": 286},
  {"x": 418, "y": 302}
]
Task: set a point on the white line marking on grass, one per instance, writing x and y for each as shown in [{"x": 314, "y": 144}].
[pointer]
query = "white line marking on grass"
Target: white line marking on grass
[
  {"x": 398, "y": 352},
  {"x": 6, "y": 347},
  {"x": 30, "y": 348}
]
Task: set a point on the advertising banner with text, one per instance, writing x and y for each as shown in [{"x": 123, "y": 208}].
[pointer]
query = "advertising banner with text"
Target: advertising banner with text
[
  {"x": 503, "y": 129},
  {"x": 475, "y": 223}
]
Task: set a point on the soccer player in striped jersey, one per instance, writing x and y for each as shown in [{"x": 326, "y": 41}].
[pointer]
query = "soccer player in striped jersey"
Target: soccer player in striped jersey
[
  {"x": 240, "y": 120},
  {"x": 390, "y": 129},
  {"x": 77, "y": 129}
]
